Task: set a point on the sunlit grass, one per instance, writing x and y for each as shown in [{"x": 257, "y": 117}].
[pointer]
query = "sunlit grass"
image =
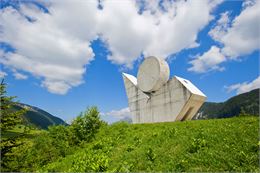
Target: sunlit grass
[{"x": 203, "y": 145}]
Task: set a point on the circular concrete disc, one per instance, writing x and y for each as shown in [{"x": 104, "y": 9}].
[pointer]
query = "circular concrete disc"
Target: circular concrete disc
[{"x": 152, "y": 74}]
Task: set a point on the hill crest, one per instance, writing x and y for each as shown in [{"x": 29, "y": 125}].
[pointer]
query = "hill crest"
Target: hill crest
[{"x": 38, "y": 117}]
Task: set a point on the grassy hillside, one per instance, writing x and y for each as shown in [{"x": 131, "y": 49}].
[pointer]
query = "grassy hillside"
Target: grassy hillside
[
  {"x": 20, "y": 131},
  {"x": 247, "y": 103},
  {"x": 230, "y": 144},
  {"x": 38, "y": 117}
]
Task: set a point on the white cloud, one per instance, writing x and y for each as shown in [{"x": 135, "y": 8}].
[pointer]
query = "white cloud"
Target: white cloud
[
  {"x": 55, "y": 46},
  {"x": 221, "y": 27},
  {"x": 44, "y": 50},
  {"x": 121, "y": 114},
  {"x": 2, "y": 74},
  {"x": 247, "y": 3},
  {"x": 19, "y": 76},
  {"x": 245, "y": 86},
  {"x": 208, "y": 61},
  {"x": 243, "y": 37},
  {"x": 56, "y": 87},
  {"x": 238, "y": 37},
  {"x": 130, "y": 33}
]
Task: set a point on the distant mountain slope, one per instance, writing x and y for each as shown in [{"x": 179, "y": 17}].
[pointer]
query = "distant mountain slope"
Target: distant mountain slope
[
  {"x": 246, "y": 102},
  {"x": 38, "y": 117}
]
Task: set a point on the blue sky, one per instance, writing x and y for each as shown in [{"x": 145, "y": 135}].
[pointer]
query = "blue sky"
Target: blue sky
[{"x": 64, "y": 62}]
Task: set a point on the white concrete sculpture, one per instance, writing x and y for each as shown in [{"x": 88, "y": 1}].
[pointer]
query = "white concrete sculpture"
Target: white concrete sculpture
[
  {"x": 152, "y": 97},
  {"x": 153, "y": 73}
]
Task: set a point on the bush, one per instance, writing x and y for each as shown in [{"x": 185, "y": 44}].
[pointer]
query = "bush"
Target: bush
[
  {"x": 86, "y": 125},
  {"x": 56, "y": 143}
]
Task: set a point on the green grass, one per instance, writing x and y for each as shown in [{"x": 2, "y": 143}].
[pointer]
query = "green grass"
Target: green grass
[
  {"x": 20, "y": 131},
  {"x": 204, "y": 145}
]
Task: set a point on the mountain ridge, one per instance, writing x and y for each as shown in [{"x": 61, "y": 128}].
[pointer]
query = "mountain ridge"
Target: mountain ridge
[
  {"x": 38, "y": 117},
  {"x": 245, "y": 103}
]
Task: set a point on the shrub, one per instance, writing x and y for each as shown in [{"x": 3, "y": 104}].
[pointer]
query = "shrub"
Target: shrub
[{"x": 86, "y": 125}]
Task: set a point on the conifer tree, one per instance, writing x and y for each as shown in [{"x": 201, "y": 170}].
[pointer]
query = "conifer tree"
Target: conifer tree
[{"x": 9, "y": 118}]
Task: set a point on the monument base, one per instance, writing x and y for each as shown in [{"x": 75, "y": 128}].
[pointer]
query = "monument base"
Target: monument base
[{"x": 177, "y": 100}]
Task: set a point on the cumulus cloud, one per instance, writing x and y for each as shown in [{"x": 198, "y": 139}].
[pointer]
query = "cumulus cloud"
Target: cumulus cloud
[
  {"x": 245, "y": 86},
  {"x": 55, "y": 46},
  {"x": 237, "y": 38},
  {"x": 208, "y": 61},
  {"x": 243, "y": 37},
  {"x": 44, "y": 49},
  {"x": 121, "y": 114},
  {"x": 131, "y": 33}
]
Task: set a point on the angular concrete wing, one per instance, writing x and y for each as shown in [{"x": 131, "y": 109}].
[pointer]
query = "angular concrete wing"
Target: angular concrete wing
[{"x": 178, "y": 99}]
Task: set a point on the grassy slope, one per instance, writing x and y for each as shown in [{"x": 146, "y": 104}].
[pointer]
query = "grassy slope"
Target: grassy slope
[
  {"x": 204, "y": 145},
  {"x": 18, "y": 131}
]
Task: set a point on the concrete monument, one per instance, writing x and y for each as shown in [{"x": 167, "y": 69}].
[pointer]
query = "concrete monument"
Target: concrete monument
[{"x": 152, "y": 97}]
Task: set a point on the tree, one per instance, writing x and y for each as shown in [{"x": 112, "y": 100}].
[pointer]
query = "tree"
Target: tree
[
  {"x": 86, "y": 125},
  {"x": 9, "y": 118}
]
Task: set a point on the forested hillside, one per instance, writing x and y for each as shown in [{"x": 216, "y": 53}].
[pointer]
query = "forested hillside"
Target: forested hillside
[
  {"x": 38, "y": 117},
  {"x": 246, "y": 103}
]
